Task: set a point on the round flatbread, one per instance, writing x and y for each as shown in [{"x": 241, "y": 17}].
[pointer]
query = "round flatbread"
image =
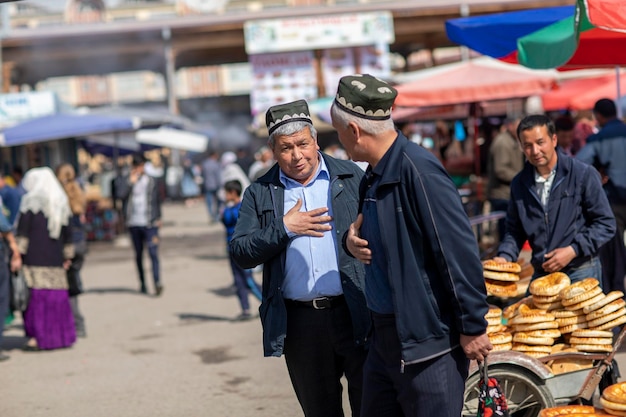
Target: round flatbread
[
  {"x": 571, "y": 327},
  {"x": 549, "y": 306},
  {"x": 583, "y": 304},
  {"x": 594, "y": 348},
  {"x": 613, "y": 405},
  {"x": 500, "y": 337},
  {"x": 536, "y": 326},
  {"x": 591, "y": 340},
  {"x": 495, "y": 329},
  {"x": 536, "y": 355},
  {"x": 613, "y": 413},
  {"x": 578, "y": 288},
  {"x": 493, "y": 321},
  {"x": 501, "y": 276},
  {"x": 607, "y": 318},
  {"x": 610, "y": 297},
  {"x": 511, "y": 267},
  {"x": 613, "y": 323},
  {"x": 551, "y": 284},
  {"x": 511, "y": 310},
  {"x": 500, "y": 288},
  {"x": 493, "y": 312},
  {"x": 565, "y": 321},
  {"x": 606, "y": 309},
  {"x": 552, "y": 333},
  {"x": 521, "y": 337},
  {"x": 579, "y": 298},
  {"x": 520, "y": 347},
  {"x": 562, "y": 314},
  {"x": 615, "y": 393},
  {"x": 592, "y": 333},
  {"x": 498, "y": 347},
  {"x": 566, "y": 410},
  {"x": 544, "y": 299}
]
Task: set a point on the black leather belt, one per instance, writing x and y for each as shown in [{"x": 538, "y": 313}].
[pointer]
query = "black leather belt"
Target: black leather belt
[{"x": 320, "y": 303}]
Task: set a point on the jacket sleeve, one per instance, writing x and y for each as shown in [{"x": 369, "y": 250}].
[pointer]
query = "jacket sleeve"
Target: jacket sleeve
[
  {"x": 156, "y": 199},
  {"x": 254, "y": 243},
  {"x": 598, "y": 215},
  {"x": 455, "y": 250},
  {"x": 588, "y": 154}
]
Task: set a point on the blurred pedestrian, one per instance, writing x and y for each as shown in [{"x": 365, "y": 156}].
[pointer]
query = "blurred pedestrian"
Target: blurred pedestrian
[
  {"x": 212, "y": 177},
  {"x": 244, "y": 281},
  {"x": 143, "y": 218},
  {"x": 78, "y": 204},
  {"x": 423, "y": 284},
  {"x": 45, "y": 242},
  {"x": 505, "y": 161},
  {"x": 8, "y": 248},
  {"x": 263, "y": 163},
  {"x": 564, "y": 126},
  {"x": 291, "y": 221},
  {"x": 231, "y": 171},
  {"x": 11, "y": 198}
]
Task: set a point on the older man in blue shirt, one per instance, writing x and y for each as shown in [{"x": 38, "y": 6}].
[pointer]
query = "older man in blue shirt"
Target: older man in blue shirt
[{"x": 292, "y": 220}]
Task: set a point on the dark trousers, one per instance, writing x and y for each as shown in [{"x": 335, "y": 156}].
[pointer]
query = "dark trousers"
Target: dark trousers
[
  {"x": 319, "y": 350},
  {"x": 244, "y": 282},
  {"x": 150, "y": 237},
  {"x": 426, "y": 389}
]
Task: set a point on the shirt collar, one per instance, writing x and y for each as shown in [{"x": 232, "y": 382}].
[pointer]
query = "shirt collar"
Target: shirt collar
[
  {"x": 539, "y": 179},
  {"x": 322, "y": 171}
]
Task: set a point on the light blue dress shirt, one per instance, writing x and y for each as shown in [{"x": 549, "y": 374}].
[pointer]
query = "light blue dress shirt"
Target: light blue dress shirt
[{"x": 311, "y": 268}]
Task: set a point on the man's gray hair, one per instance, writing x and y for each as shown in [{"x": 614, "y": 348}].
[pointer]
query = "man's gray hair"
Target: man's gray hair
[
  {"x": 373, "y": 127},
  {"x": 289, "y": 129}
]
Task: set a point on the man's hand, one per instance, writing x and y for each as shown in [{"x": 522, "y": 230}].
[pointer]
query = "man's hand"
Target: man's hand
[
  {"x": 558, "y": 259},
  {"x": 358, "y": 247},
  {"x": 67, "y": 263},
  {"x": 476, "y": 347},
  {"x": 310, "y": 223},
  {"x": 499, "y": 259}
]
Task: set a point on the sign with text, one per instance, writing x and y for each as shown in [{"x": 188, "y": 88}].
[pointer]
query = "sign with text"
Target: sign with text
[
  {"x": 318, "y": 32},
  {"x": 18, "y": 107}
]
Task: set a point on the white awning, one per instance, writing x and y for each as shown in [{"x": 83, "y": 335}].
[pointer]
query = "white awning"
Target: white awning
[{"x": 173, "y": 138}]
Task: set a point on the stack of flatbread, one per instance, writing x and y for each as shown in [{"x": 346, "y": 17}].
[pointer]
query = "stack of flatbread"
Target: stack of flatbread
[
  {"x": 498, "y": 335},
  {"x": 587, "y": 340},
  {"x": 501, "y": 278},
  {"x": 606, "y": 312},
  {"x": 613, "y": 399},
  {"x": 534, "y": 331}
]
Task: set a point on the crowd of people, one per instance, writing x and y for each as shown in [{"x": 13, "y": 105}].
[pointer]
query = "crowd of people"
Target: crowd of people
[{"x": 395, "y": 303}]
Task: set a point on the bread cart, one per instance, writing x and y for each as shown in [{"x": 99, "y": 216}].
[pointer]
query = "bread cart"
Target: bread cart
[{"x": 530, "y": 386}]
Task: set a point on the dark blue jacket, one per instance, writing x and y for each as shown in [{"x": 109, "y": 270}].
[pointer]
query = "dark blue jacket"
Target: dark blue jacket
[
  {"x": 260, "y": 238},
  {"x": 578, "y": 214},
  {"x": 606, "y": 150},
  {"x": 434, "y": 268}
]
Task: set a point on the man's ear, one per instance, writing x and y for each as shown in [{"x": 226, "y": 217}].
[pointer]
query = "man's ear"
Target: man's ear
[{"x": 355, "y": 130}]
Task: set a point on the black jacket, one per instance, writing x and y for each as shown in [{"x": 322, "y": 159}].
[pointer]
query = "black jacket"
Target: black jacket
[{"x": 260, "y": 238}]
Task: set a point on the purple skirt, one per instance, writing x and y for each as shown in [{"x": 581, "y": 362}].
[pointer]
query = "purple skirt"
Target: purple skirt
[{"x": 48, "y": 318}]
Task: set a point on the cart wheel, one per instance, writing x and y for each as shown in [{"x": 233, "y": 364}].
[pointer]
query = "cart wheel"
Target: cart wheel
[{"x": 525, "y": 394}]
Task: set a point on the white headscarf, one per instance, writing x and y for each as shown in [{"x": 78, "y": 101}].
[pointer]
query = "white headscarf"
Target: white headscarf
[{"x": 44, "y": 194}]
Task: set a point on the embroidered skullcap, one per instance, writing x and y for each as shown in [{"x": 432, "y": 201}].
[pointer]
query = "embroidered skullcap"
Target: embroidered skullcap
[
  {"x": 365, "y": 96},
  {"x": 296, "y": 111}
]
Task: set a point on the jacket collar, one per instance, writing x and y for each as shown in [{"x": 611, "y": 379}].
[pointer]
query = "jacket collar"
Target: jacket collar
[
  {"x": 563, "y": 168},
  {"x": 390, "y": 169}
]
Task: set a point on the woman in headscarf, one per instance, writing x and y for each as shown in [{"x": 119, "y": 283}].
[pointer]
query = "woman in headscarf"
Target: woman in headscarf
[
  {"x": 78, "y": 204},
  {"x": 44, "y": 239}
]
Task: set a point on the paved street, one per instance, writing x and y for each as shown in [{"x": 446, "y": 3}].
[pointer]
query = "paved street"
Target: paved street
[{"x": 178, "y": 355}]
